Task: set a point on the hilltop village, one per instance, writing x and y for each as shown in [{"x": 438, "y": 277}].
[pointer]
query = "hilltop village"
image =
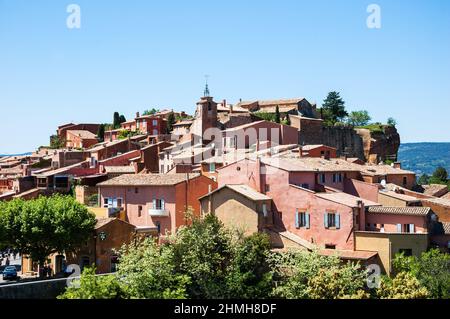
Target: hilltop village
[{"x": 338, "y": 190}]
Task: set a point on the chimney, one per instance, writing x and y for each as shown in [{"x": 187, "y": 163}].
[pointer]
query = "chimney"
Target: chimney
[
  {"x": 259, "y": 186},
  {"x": 137, "y": 114},
  {"x": 300, "y": 151},
  {"x": 398, "y": 165}
]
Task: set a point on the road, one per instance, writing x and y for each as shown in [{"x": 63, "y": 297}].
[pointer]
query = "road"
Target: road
[{"x": 12, "y": 262}]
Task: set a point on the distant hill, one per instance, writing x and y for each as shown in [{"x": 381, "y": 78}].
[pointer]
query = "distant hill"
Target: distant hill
[
  {"x": 23, "y": 154},
  {"x": 423, "y": 158}
]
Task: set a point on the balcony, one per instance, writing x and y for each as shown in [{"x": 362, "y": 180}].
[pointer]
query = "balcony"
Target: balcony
[{"x": 158, "y": 212}]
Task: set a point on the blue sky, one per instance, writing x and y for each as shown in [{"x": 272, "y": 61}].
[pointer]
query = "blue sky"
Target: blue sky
[{"x": 133, "y": 55}]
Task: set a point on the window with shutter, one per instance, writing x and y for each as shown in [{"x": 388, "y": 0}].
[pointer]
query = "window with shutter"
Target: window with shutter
[
  {"x": 308, "y": 225},
  {"x": 297, "y": 219}
]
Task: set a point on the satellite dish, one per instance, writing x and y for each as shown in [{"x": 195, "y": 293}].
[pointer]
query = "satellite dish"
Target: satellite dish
[{"x": 383, "y": 183}]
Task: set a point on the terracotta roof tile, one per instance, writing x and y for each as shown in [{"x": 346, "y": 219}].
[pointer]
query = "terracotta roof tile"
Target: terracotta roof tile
[
  {"x": 82, "y": 134},
  {"x": 147, "y": 179},
  {"x": 408, "y": 210}
]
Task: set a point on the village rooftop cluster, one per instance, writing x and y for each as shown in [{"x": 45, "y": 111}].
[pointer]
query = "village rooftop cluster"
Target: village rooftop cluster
[{"x": 254, "y": 175}]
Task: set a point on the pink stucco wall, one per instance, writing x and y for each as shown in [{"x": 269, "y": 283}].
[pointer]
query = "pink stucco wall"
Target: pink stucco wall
[
  {"x": 361, "y": 189},
  {"x": 144, "y": 198},
  {"x": 287, "y": 198},
  {"x": 287, "y": 202},
  {"x": 390, "y": 222}
]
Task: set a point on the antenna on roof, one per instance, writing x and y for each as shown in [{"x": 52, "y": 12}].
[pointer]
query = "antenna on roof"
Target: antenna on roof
[{"x": 206, "y": 92}]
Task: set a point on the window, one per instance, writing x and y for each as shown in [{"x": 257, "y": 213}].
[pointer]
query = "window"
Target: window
[
  {"x": 158, "y": 226},
  {"x": 264, "y": 209},
  {"x": 301, "y": 219},
  {"x": 136, "y": 190},
  {"x": 155, "y": 122},
  {"x": 114, "y": 262},
  {"x": 305, "y": 186},
  {"x": 330, "y": 246},
  {"x": 139, "y": 211},
  {"x": 155, "y": 131},
  {"x": 405, "y": 251},
  {"x": 112, "y": 202},
  {"x": 405, "y": 180},
  {"x": 238, "y": 168},
  {"x": 408, "y": 228},
  {"x": 212, "y": 167},
  {"x": 337, "y": 178},
  {"x": 267, "y": 188},
  {"x": 144, "y": 124},
  {"x": 158, "y": 204},
  {"x": 322, "y": 178},
  {"x": 332, "y": 220}
]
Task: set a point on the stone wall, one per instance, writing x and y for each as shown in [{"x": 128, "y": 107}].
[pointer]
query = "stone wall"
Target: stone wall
[{"x": 47, "y": 289}]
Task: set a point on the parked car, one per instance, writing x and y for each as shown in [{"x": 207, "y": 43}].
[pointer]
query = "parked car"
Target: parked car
[{"x": 10, "y": 273}]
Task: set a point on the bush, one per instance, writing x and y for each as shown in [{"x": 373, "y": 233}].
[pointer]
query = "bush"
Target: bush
[{"x": 90, "y": 286}]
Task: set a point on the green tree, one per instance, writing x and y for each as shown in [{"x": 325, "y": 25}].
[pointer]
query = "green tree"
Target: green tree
[
  {"x": 203, "y": 252},
  {"x": 116, "y": 120},
  {"x": 432, "y": 269},
  {"x": 277, "y": 115},
  {"x": 249, "y": 274},
  {"x": 122, "y": 119},
  {"x": 403, "y": 286},
  {"x": 90, "y": 286},
  {"x": 46, "y": 225},
  {"x": 308, "y": 275},
  {"x": 423, "y": 179},
  {"x": 288, "y": 120},
  {"x": 101, "y": 132},
  {"x": 150, "y": 112},
  {"x": 170, "y": 122},
  {"x": 440, "y": 175},
  {"x": 149, "y": 271},
  {"x": 391, "y": 122},
  {"x": 266, "y": 116},
  {"x": 57, "y": 142},
  {"x": 358, "y": 118},
  {"x": 333, "y": 108}
]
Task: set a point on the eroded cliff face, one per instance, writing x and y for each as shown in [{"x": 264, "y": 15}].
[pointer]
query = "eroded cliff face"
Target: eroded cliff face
[
  {"x": 380, "y": 145},
  {"x": 371, "y": 146}
]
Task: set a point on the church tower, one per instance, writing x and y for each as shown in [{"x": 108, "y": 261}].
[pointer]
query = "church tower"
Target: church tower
[{"x": 205, "y": 114}]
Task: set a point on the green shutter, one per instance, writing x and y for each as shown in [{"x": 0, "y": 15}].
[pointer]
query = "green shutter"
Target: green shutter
[
  {"x": 325, "y": 220},
  {"x": 338, "y": 221},
  {"x": 307, "y": 221},
  {"x": 297, "y": 221}
]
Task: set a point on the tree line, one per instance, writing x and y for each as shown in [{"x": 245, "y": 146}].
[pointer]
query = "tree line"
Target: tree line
[{"x": 206, "y": 260}]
